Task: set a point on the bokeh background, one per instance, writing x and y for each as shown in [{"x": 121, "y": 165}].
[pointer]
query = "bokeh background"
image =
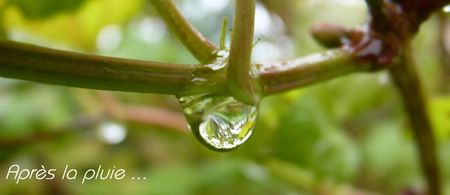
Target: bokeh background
[{"x": 345, "y": 136}]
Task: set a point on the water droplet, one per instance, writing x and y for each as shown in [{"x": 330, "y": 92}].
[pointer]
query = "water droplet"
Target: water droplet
[
  {"x": 111, "y": 132},
  {"x": 446, "y": 9},
  {"x": 109, "y": 38},
  {"x": 220, "y": 122}
]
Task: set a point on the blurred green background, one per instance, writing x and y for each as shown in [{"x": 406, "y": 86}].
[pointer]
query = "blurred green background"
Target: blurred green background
[{"x": 345, "y": 136}]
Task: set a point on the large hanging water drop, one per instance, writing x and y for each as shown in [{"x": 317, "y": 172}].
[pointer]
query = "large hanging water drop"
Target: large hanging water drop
[{"x": 220, "y": 122}]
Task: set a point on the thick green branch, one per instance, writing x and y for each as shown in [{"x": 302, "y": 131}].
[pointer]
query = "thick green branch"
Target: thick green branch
[
  {"x": 34, "y": 63},
  {"x": 280, "y": 77},
  {"x": 408, "y": 83},
  {"x": 240, "y": 82},
  {"x": 195, "y": 42},
  {"x": 23, "y": 61}
]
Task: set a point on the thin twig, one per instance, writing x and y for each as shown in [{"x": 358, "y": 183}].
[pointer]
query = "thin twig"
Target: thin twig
[
  {"x": 23, "y": 61},
  {"x": 144, "y": 115},
  {"x": 154, "y": 117},
  {"x": 195, "y": 42},
  {"x": 78, "y": 125},
  {"x": 113, "y": 107},
  {"x": 240, "y": 83},
  {"x": 409, "y": 86},
  {"x": 157, "y": 117}
]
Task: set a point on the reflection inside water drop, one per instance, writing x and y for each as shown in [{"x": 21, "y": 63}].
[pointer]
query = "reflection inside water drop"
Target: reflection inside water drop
[{"x": 220, "y": 122}]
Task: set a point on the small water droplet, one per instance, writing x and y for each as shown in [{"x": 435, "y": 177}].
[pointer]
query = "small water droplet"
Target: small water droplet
[
  {"x": 446, "y": 9},
  {"x": 220, "y": 122},
  {"x": 216, "y": 72},
  {"x": 112, "y": 132}
]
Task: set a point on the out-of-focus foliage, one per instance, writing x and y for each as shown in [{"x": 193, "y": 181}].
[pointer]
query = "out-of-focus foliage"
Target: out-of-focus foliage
[
  {"x": 44, "y": 8},
  {"x": 308, "y": 138},
  {"x": 348, "y": 133},
  {"x": 439, "y": 110},
  {"x": 75, "y": 29}
]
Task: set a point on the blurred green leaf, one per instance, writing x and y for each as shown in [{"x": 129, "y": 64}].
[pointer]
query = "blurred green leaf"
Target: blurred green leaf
[
  {"x": 78, "y": 29},
  {"x": 40, "y": 9},
  {"x": 308, "y": 138},
  {"x": 390, "y": 156},
  {"x": 33, "y": 108},
  {"x": 439, "y": 110}
]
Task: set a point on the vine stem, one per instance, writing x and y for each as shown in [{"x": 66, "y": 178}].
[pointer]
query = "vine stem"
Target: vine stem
[
  {"x": 406, "y": 78},
  {"x": 284, "y": 76},
  {"x": 34, "y": 63},
  {"x": 240, "y": 83},
  {"x": 200, "y": 47},
  {"x": 40, "y": 64}
]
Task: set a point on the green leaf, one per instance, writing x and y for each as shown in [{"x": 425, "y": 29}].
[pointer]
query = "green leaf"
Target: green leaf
[
  {"x": 390, "y": 156},
  {"x": 439, "y": 109},
  {"x": 309, "y": 139},
  {"x": 34, "y": 9}
]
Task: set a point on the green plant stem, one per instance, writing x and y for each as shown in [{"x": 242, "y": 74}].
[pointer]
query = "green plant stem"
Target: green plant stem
[
  {"x": 406, "y": 78},
  {"x": 23, "y": 61},
  {"x": 34, "y": 63},
  {"x": 280, "y": 77},
  {"x": 202, "y": 49},
  {"x": 240, "y": 82}
]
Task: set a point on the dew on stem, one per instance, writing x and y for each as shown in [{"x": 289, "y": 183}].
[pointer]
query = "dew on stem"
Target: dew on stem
[{"x": 220, "y": 122}]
